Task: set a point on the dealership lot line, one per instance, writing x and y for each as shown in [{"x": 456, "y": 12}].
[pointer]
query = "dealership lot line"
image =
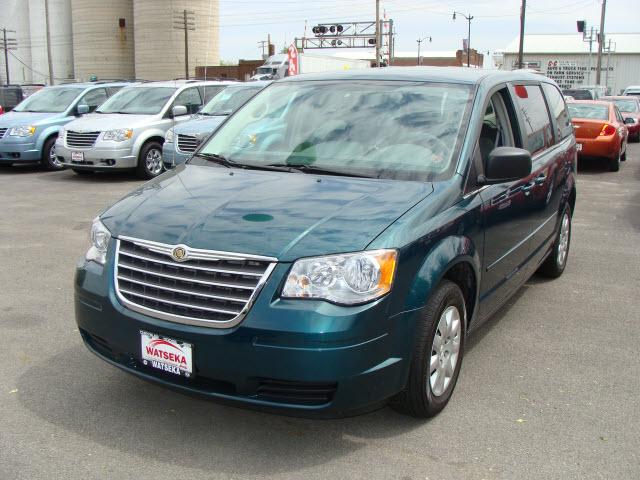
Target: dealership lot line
[{"x": 548, "y": 389}]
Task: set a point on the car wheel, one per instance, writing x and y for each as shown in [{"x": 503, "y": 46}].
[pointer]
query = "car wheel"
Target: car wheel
[
  {"x": 49, "y": 158},
  {"x": 81, "y": 171},
  {"x": 150, "y": 161},
  {"x": 437, "y": 354},
  {"x": 623, "y": 157},
  {"x": 614, "y": 166},
  {"x": 555, "y": 263}
]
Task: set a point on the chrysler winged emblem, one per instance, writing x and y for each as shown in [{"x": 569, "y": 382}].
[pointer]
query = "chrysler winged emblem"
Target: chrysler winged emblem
[{"x": 179, "y": 253}]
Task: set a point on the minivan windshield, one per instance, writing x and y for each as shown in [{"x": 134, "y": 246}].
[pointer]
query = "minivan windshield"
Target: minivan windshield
[
  {"x": 586, "y": 110},
  {"x": 52, "y": 100},
  {"x": 138, "y": 100},
  {"x": 382, "y": 129},
  {"x": 229, "y": 100}
]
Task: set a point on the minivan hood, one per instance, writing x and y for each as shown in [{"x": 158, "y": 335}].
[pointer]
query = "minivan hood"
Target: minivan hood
[
  {"x": 201, "y": 125},
  {"x": 15, "y": 119},
  {"x": 276, "y": 214},
  {"x": 95, "y": 122}
]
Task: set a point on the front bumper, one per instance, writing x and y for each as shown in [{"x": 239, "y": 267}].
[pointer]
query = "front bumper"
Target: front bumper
[
  {"x": 606, "y": 147},
  {"x": 98, "y": 157},
  {"x": 19, "y": 149},
  {"x": 171, "y": 157},
  {"x": 356, "y": 356}
]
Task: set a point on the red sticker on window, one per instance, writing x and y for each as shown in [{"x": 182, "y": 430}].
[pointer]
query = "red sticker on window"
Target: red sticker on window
[{"x": 521, "y": 91}]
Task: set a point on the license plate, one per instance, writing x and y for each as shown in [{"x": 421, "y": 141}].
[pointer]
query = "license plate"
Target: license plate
[
  {"x": 77, "y": 156},
  {"x": 166, "y": 354},
  {"x": 579, "y": 146}
]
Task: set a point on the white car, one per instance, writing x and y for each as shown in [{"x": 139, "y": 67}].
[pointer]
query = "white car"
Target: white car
[{"x": 128, "y": 130}]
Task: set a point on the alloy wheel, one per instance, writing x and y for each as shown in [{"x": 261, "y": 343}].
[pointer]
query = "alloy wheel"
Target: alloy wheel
[
  {"x": 563, "y": 242},
  {"x": 445, "y": 350},
  {"x": 153, "y": 161}
]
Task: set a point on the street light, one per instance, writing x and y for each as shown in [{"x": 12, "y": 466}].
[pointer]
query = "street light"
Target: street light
[
  {"x": 468, "y": 18},
  {"x": 420, "y": 40}
]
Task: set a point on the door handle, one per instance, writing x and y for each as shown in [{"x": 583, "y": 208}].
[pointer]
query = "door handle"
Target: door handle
[
  {"x": 540, "y": 179},
  {"x": 527, "y": 188}
]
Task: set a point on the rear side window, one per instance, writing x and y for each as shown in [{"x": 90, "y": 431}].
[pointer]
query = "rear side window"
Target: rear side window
[
  {"x": 558, "y": 111},
  {"x": 537, "y": 127},
  {"x": 619, "y": 116}
]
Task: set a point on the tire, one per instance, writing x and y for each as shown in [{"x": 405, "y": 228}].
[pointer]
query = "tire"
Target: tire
[
  {"x": 5, "y": 164},
  {"x": 555, "y": 263},
  {"x": 79, "y": 171},
  {"x": 424, "y": 396},
  {"x": 49, "y": 160},
  {"x": 150, "y": 160},
  {"x": 614, "y": 164},
  {"x": 623, "y": 157}
]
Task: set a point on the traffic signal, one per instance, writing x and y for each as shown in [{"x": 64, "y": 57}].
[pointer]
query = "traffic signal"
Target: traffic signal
[
  {"x": 581, "y": 26},
  {"x": 372, "y": 41},
  {"x": 324, "y": 29}
]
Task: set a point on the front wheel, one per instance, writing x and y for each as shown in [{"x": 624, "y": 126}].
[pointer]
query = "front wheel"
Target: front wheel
[
  {"x": 555, "y": 263},
  {"x": 49, "y": 158},
  {"x": 150, "y": 161},
  {"x": 437, "y": 355}
]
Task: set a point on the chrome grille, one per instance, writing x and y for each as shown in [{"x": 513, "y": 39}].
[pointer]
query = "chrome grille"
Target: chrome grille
[
  {"x": 2, "y": 132},
  {"x": 81, "y": 139},
  {"x": 208, "y": 288},
  {"x": 187, "y": 143}
]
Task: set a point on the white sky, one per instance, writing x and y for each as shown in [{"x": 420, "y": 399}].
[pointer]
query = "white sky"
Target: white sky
[{"x": 243, "y": 23}]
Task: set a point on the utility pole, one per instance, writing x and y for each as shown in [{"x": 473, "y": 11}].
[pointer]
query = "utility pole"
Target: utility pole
[
  {"x": 377, "y": 33},
  {"x": 420, "y": 40},
  {"x": 523, "y": 7},
  {"x": 600, "y": 41},
  {"x": 185, "y": 21},
  {"x": 7, "y": 44},
  {"x": 468, "y": 18},
  {"x": 391, "y": 42},
  {"x": 48, "y": 33}
]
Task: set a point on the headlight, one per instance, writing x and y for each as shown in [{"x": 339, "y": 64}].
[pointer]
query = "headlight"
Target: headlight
[
  {"x": 119, "y": 135},
  {"x": 23, "y": 131},
  {"x": 347, "y": 279},
  {"x": 168, "y": 137},
  {"x": 100, "y": 237}
]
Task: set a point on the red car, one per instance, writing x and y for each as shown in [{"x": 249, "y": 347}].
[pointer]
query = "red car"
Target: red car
[
  {"x": 629, "y": 106},
  {"x": 600, "y": 131}
]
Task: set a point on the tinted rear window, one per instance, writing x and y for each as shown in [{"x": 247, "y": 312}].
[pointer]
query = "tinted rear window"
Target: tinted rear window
[
  {"x": 594, "y": 112},
  {"x": 578, "y": 94},
  {"x": 626, "y": 105}
]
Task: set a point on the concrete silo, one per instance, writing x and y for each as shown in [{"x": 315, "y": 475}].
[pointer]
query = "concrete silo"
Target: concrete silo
[
  {"x": 20, "y": 58},
  {"x": 159, "y": 46},
  {"x": 61, "y": 40},
  {"x": 103, "y": 39}
]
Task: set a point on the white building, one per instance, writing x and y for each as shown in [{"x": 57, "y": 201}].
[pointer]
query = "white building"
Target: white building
[{"x": 566, "y": 59}]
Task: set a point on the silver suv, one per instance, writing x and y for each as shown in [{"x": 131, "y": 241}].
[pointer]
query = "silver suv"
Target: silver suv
[{"x": 128, "y": 130}]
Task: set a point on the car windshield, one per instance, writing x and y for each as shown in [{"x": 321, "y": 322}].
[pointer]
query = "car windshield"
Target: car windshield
[
  {"x": 383, "y": 129},
  {"x": 229, "y": 100},
  {"x": 52, "y": 100},
  {"x": 626, "y": 105},
  {"x": 138, "y": 100},
  {"x": 585, "y": 110}
]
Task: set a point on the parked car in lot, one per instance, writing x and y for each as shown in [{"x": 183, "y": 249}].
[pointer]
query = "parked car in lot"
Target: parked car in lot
[
  {"x": 127, "y": 132},
  {"x": 182, "y": 140},
  {"x": 600, "y": 131},
  {"x": 632, "y": 90},
  {"x": 578, "y": 93},
  {"x": 629, "y": 107},
  {"x": 10, "y": 96},
  {"x": 331, "y": 245},
  {"x": 29, "y": 132}
]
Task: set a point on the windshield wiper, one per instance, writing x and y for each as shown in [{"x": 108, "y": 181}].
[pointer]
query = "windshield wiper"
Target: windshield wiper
[
  {"x": 215, "y": 158},
  {"x": 313, "y": 169}
]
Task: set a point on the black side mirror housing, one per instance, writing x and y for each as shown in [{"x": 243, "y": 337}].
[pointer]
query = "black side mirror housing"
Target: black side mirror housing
[
  {"x": 629, "y": 121},
  {"x": 506, "y": 164}
]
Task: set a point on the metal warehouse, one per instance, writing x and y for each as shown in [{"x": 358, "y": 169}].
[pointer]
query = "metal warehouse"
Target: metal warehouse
[{"x": 566, "y": 58}]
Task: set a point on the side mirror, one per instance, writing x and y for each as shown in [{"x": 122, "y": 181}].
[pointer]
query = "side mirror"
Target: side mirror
[
  {"x": 179, "y": 110},
  {"x": 629, "y": 121},
  {"x": 82, "y": 109},
  {"x": 506, "y": 164}
]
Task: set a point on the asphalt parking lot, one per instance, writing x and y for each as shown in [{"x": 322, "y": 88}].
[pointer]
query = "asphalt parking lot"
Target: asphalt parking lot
[{"x": 549, "y": 387}]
